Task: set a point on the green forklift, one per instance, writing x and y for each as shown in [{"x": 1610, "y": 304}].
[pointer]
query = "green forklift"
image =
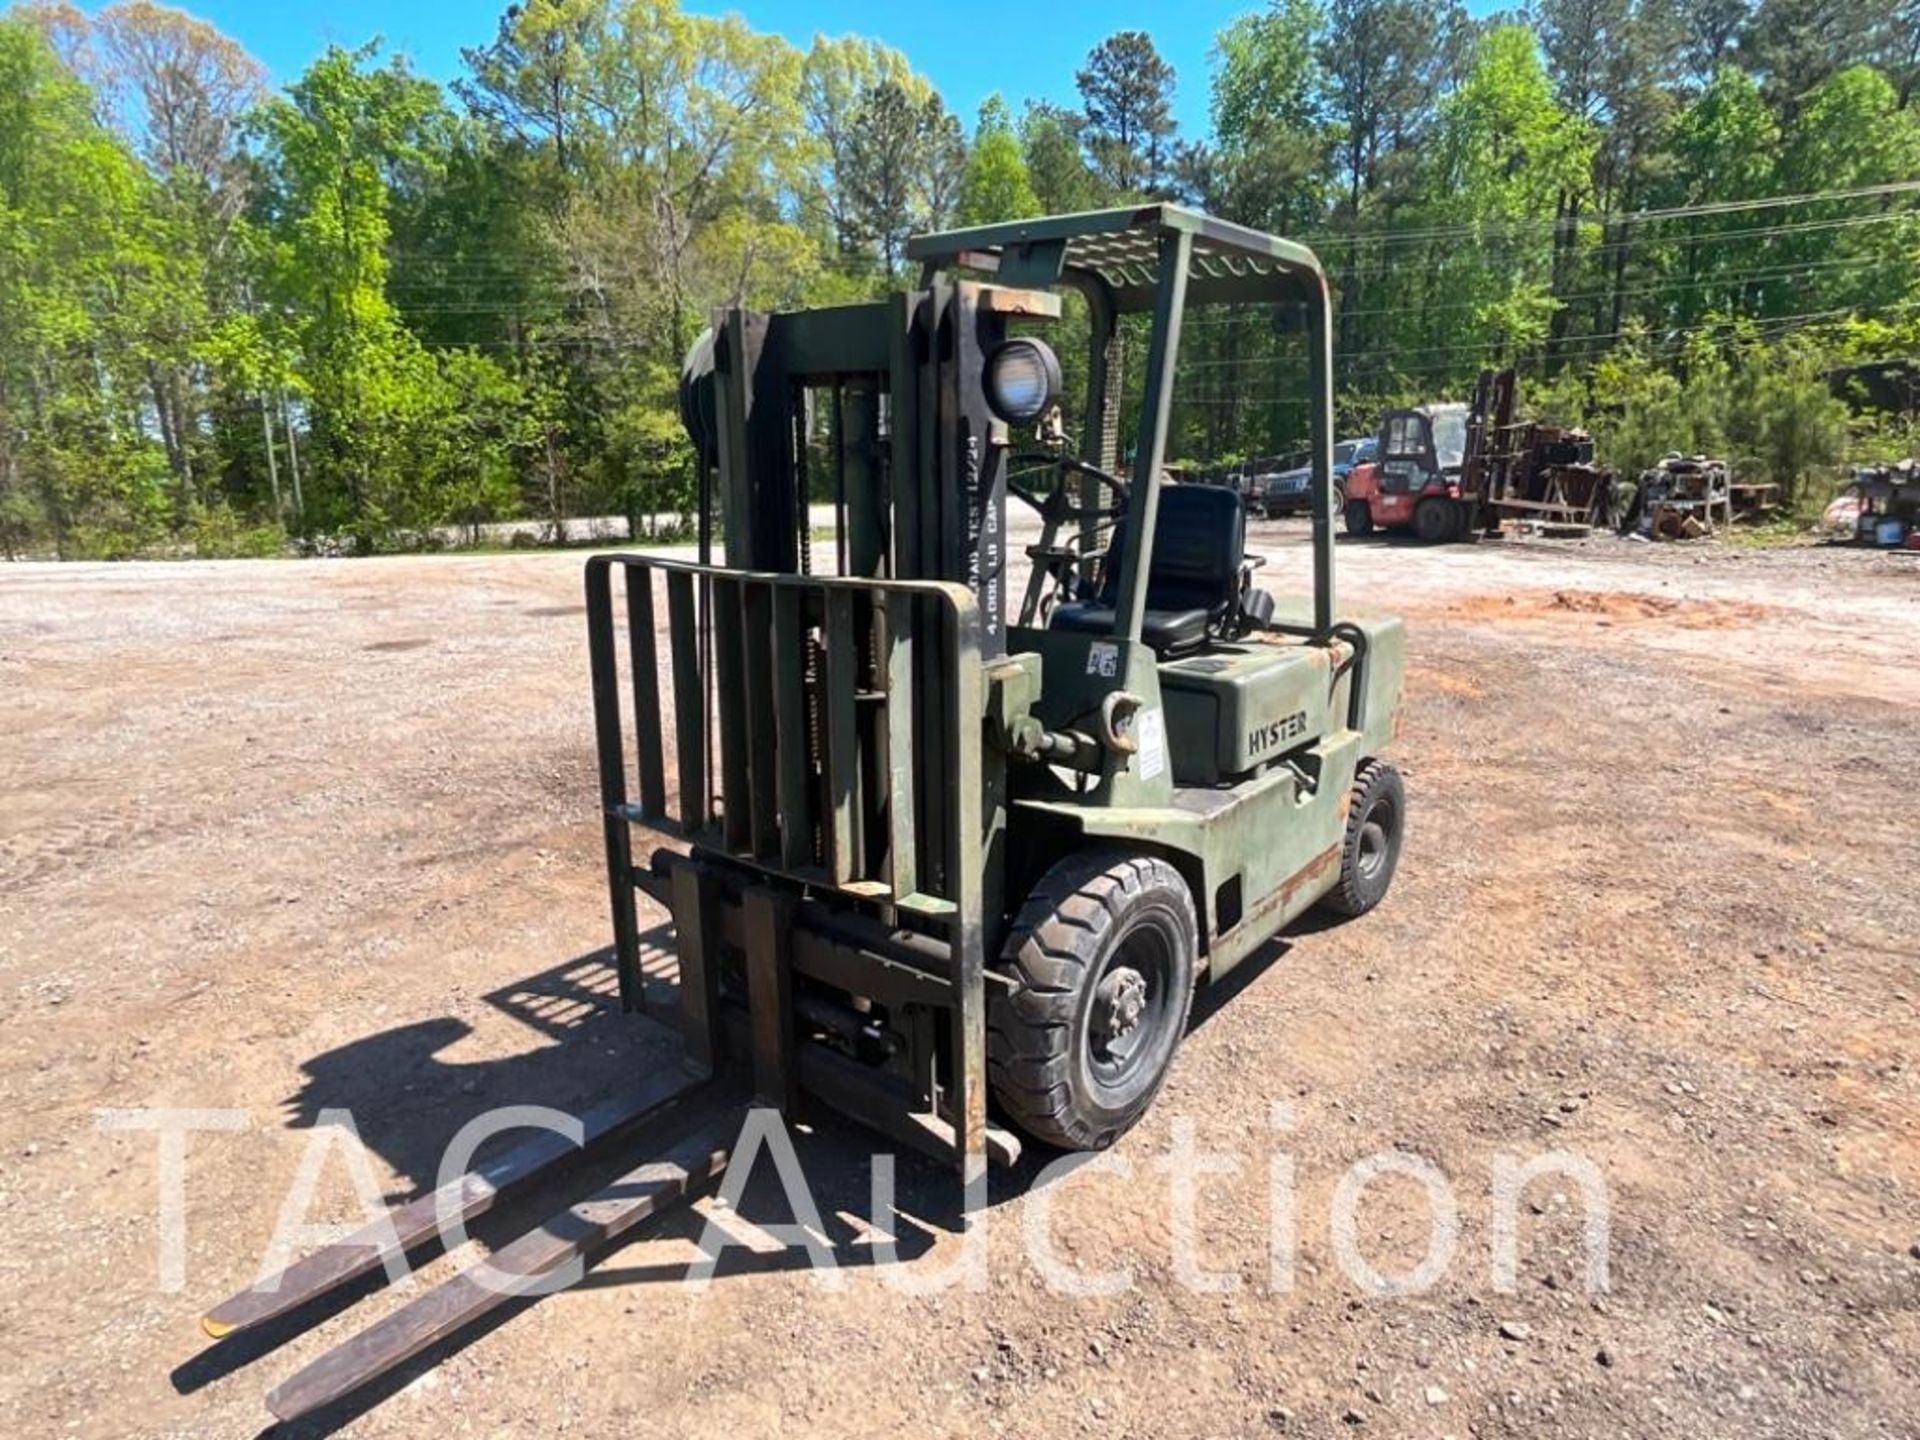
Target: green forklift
[
  {"x": 953, "y": 871},
  {"x": 952, "y": 864}
]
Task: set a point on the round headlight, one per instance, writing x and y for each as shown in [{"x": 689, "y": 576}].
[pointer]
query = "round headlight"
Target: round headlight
[{"x": 1023, "y": 377}]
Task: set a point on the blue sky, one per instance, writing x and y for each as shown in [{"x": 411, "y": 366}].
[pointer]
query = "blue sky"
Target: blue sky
[{"x": 968, "y": 51}]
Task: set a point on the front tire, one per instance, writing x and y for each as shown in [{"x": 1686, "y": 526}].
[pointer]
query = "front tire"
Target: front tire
[
  {"x": 1104, "y": 955},
  {"x": 1376, "y": 822},
  {"x": 1435, "y": 520}
]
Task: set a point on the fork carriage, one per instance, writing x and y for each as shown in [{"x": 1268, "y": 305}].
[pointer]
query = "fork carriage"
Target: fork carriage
[{"x": 792, "y": 794}]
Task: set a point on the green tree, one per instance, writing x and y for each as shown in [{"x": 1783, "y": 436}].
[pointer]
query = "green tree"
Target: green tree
[
  {"x": 1051, "y": 145},
  {"x": 878, "y": 171},
  {"x": 179, "y": 90},
  {"x": 81, "y": 262},
  {"x": 1792, "y": 45},
  {"x": 1505, "y": 156},
  {"x": 1614, "y": 64},
  {"x": 332, "y": 149},
  {"x": 1897, "y": 51},
  {"x": 1709, "y": 32},
  {"x": 1385, "y": 63},
  {"x": 535, "y": 82},
  {"x": 1786, "y": 426},
  {"x": 903, "y": 169},
  {"x": 1127, "y": 90},
  {"x": 1267, "y": 72},
  {"x": 1724, "y": 147},
  {"x": 664, "y": 166},
  {"x": 1852, "y": 134},
  {"x": 995, "y": 186},
  {"x": 835, "y": 77},
  {"x": 1271, "y": 136}
]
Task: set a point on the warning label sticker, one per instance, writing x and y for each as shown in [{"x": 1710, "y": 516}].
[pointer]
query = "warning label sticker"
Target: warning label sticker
[{"x": 1153, "y": 742}]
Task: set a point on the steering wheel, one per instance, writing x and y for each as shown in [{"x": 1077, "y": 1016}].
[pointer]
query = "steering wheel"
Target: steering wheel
[{"x": 1058, "y": 504}]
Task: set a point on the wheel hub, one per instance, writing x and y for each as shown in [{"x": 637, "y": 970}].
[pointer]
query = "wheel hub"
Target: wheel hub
[
  {"x": 1373, "y": 847},
  {"x": 1118, "y": 1004}
]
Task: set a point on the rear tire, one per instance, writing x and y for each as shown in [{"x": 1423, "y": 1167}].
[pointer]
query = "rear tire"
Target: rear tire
[
  {"x": 1435, "y": 520},
  {"x": 1376, "y": 822},
  {"x": 1359, "y": 517},
  {"x": 1104, "y": 954}
]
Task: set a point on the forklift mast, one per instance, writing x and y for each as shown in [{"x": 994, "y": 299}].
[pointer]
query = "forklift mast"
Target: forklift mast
[{"x": 912, "y": 468}]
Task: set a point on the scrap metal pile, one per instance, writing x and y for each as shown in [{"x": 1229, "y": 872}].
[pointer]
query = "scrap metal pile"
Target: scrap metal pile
[
  {"x": 1684, "y": 497},
  {"x": 1888, "y": 504},
  {"x": 1528, "y": 471}
]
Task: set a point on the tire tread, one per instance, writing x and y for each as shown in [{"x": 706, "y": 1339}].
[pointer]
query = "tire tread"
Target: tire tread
[{"x": 1056, "y": 938}]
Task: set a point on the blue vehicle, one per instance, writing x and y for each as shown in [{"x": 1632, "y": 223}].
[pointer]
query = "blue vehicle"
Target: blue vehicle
[{"x": 1288, "y": 493}]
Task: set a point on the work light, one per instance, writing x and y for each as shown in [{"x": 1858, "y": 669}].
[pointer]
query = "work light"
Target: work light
[{"x": 1023, "y": 376}]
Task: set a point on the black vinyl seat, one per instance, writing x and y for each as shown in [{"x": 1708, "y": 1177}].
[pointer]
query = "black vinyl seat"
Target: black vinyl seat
[{"x": 1193, "y": 582}]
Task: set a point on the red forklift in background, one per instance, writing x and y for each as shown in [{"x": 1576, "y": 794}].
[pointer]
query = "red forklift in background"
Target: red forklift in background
[
  {"x": 1449, "y": 471},
  {"x": 1415, "y": 478}
]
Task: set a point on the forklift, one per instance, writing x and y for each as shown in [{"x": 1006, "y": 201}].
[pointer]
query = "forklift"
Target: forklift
[
  {"x": 946, "y": 861},
  {"x": 1452, "y": 471},
  {"x": 1417, "y": 479},
  {"x": 979, "y": 858}
]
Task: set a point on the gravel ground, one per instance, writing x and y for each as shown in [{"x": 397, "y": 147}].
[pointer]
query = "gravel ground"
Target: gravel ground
[{"x": 288, "y": 837}]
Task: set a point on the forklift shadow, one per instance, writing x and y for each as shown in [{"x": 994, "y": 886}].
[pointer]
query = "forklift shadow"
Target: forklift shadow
[
  {"x": 407, "y": 1100},
  {"x": 1215, "y": 997}
]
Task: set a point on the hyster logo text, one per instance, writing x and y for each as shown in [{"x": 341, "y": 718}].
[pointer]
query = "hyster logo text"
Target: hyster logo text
[{"x": 1265, "y": 737}]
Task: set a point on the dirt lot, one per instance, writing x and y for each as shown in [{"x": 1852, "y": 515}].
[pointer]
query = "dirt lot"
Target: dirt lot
[{"x": 289, "y": 837}]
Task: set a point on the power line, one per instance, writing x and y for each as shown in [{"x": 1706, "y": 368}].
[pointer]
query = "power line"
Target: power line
[
  {"x": 490, "y": 266},
  {"x": 1729, "y": 280},
  {"x": 437, "y": 278},
  {"x": 1627, "y": 217},
  {"x": 1669, "y": 342},
  {"x": 1673, "y": 343},
  {"x": 1647, "y": 240}
]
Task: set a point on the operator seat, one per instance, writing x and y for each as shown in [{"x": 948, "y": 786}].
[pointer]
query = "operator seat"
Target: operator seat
[{"x": 1194, "y": 582}]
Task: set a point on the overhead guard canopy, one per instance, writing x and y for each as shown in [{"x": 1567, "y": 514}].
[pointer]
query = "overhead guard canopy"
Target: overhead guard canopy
[{"x": 1121, "y": 248}]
